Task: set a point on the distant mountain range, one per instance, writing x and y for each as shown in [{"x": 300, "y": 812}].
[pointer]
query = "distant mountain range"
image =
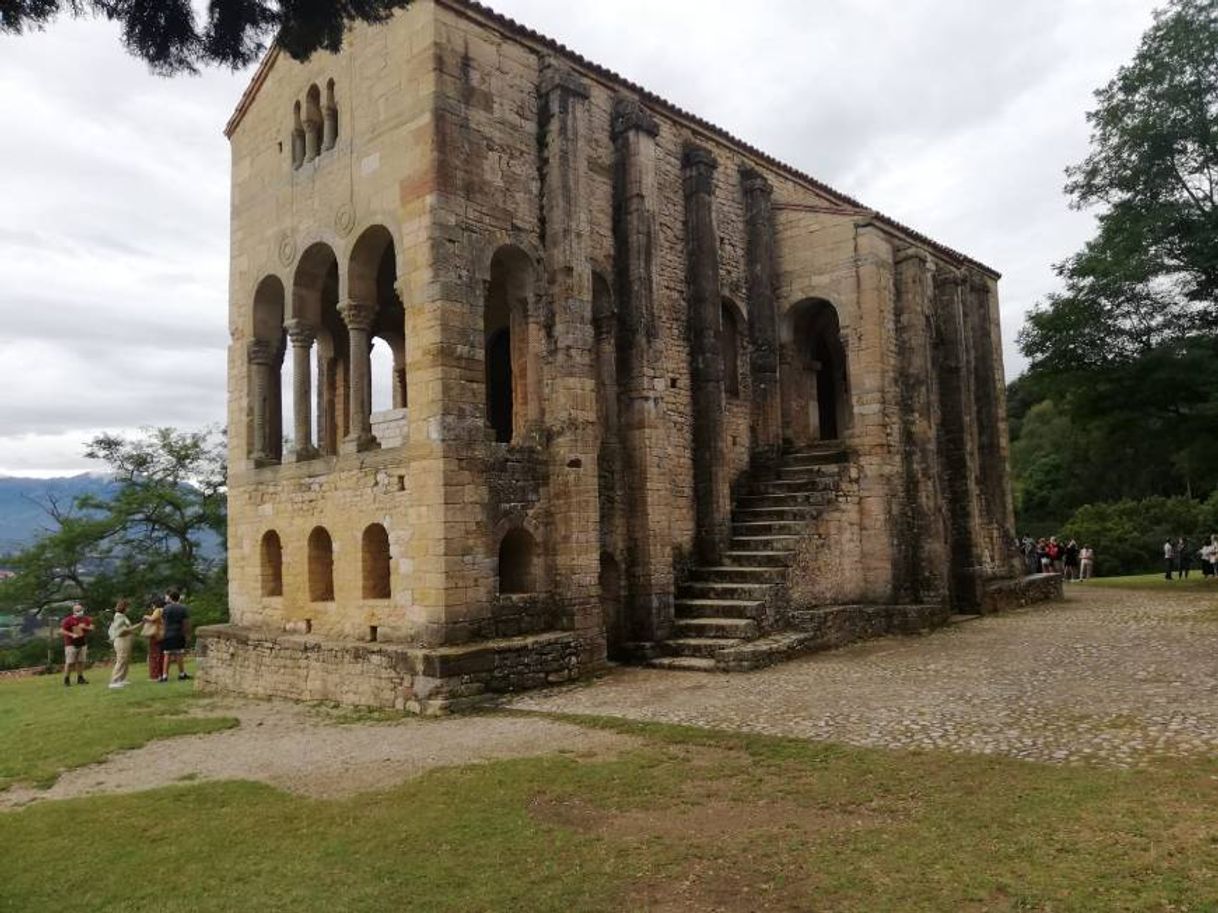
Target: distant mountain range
[{"x": 23, "y": 516}]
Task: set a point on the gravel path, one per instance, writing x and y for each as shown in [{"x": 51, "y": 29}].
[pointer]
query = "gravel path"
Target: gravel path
[
  {"x": 296, "y": 748},
  {"x": 1110, "y": 676}
]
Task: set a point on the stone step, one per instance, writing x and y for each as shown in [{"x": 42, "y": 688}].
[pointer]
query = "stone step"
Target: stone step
[
  {"x": 769, "y": 543},
  {"x": 811, "y": 471},
  {"x": 683, "y": 663},
  {"x": 750, "y": 528},
  {"x": 787, "y": 513},
  {"x": 716, "y": 607},
  {"x": 728, "y": 574},
  {"x": 814, "y": 497},
  {"x": 791, "y": 486},
  {"x": 716, "y": 626},
  {"x": 718, "y": 589},
  {"x": 698, "y": 646},
  {"x": 758, "y": 559},
  {"x": 827, "y": 457}
]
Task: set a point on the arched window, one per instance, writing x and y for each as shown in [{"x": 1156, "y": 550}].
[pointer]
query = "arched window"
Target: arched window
[
  {"x": 516, "y": 558},
  {"x": 729, "y": 349},
  {"x": 372, "y": 279},
  {"x": 321, "y": 565},
  {"x": 266, "y": 355},
  {"x": 376, "y": 563},
  {"x": 298, "y": 137},
  {"x": 330, "y": 118},
  {"x": 506, "y": 341},
  {"x": 312, "y": 123},
  {"x": 272, "y": 564},
  {"x": 319, "y": 354}
]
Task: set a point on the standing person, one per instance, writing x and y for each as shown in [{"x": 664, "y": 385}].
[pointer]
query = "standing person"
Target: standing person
[
  {"x": 121, "y": 634},
  {"x": 1209, "y": 554},
  {"x": 1169, "y": 558},
  {"x": 1086, "y": 562},
  {"x": 176, "y": 618},
  {"x": 1184, "y": 558},
  {"x": 154, "y": 630},
  {"x": 75, "y": 630},
  {"x": 1071, "y": 559},
  {"x": 1054, "y": 551}
]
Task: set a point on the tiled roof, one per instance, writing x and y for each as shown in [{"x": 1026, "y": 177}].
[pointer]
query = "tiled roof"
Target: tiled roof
[{"x": 511, "y": 26}]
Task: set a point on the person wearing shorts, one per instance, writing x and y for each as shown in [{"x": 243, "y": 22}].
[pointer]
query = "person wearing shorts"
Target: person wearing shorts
[
  {"x": 75, "y": 630},
  {"x": 175, "y": 619}
]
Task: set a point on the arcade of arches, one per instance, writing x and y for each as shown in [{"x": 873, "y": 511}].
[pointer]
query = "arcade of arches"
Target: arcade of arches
[{"x": 528, "y": 374}]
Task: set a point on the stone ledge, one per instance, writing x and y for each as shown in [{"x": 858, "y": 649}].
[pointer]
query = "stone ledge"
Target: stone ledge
[
  {"x": 826, "y": 627},
  {"x": 1018, "y": 592},
  {"x": 426, "y": 680}
]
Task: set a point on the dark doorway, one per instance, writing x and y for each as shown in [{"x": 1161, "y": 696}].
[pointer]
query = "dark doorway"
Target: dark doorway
[
  {"x": 499, "y": 384},
  {"x": 611, "y": 604},
  {"x": 826, "y": 402}
]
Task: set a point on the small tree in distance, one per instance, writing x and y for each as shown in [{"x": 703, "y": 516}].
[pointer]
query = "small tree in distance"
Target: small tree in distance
[
  {"x": 163, "y": 527},
  {"x": 169, "y": 36}
]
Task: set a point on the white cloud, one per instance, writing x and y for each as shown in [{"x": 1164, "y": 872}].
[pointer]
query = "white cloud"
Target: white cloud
[{"x": 953, "y": 116}]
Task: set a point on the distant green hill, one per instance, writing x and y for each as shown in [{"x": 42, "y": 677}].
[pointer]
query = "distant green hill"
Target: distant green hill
[{"x": 23, "y": 516}]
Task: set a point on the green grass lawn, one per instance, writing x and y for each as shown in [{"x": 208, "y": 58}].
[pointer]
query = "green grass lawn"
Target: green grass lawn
[
  {"x": 689, "y": 820},
  {"x": 1194, "y": 582},
  {"x": 46, "y": 728}
]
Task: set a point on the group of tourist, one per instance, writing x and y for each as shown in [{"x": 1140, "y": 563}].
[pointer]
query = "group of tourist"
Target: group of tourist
[
  {"x": 1049, "y": 556},
  {"x": 166, "y": 626},
  {"x": 1178, "y": 558}
]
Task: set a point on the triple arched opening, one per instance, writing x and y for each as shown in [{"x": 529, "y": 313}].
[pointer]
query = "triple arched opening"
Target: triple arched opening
[
  {"x": 376, "y": 563},
  {"x": 321, "y": 366}
]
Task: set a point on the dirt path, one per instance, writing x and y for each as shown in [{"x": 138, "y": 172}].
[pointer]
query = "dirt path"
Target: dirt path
[{"x": 296, "y": 748}]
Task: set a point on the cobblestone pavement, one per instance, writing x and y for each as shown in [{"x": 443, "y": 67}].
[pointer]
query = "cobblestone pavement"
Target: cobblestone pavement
[{"x": 1111, "y": 676}]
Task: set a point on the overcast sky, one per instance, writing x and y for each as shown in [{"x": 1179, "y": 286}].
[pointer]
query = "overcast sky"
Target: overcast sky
[{"x": 953, "y": 116}]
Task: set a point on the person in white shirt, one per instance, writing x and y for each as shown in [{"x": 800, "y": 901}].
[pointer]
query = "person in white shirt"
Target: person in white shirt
[
  {"x": 121, "y": 632},
  {"x": 1169, "y": 558},
  {"x": 1086, "y": 563}
]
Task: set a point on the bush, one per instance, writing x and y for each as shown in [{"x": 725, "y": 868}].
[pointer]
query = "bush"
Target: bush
[{"x": 1128, "y": 536}]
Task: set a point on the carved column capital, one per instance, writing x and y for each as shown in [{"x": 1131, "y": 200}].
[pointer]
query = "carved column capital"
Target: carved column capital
[
  {"x": 260, "y": 352},
  {"x": 357, "y": 315},
  {"x": 754, "y": 182},
  {"x": 300, "y": 333},
  {"x": 558, "y": 76},
  {"x": 629, "y": 114},
  {"x": 698, "y": 164}
]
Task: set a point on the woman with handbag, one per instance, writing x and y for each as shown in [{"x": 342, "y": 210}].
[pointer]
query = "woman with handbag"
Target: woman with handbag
[{"x": 154, "y": 630}]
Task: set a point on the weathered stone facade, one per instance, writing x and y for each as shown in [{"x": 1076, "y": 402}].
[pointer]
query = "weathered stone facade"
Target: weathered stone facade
[{"x": 654, "y": 394}]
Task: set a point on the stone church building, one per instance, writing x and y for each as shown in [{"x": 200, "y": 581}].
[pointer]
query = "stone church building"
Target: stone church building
[{"x": 645, "y": 393}]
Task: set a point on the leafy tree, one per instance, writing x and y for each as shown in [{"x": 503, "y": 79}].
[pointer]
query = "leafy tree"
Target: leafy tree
[
  {"x": 169, "y": 36},
  {"x": 170, "y": 500},
  {"x": 1128, "y": 349}
]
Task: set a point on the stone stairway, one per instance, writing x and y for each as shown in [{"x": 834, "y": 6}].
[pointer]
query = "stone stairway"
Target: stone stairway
[{"x": 725, "y": 606}]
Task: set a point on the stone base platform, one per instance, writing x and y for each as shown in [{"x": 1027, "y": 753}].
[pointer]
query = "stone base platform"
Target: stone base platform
[
  {"x": 1018, "y": 592},
  {"x": 825, "y": 627},
  {"x": 429, "y": 681}
]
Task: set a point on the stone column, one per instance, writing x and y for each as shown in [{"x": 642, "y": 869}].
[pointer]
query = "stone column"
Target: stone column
[
  {"x": 921, "y": 557},
  {"x": 571, "y": 391},
  {"x": 359, "y": 316},
  {"x": 329, "y": 120},
  {"x": 301, "y": 336},
  {"x": 763, "y": 313},
  {"x": 956, "y": 455},
  {"x": 712, "y": 486},
  {"x": 991, "y": 428},
  {"x": 648, "y": 571},
  {"x": 261, "y": 355}
]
